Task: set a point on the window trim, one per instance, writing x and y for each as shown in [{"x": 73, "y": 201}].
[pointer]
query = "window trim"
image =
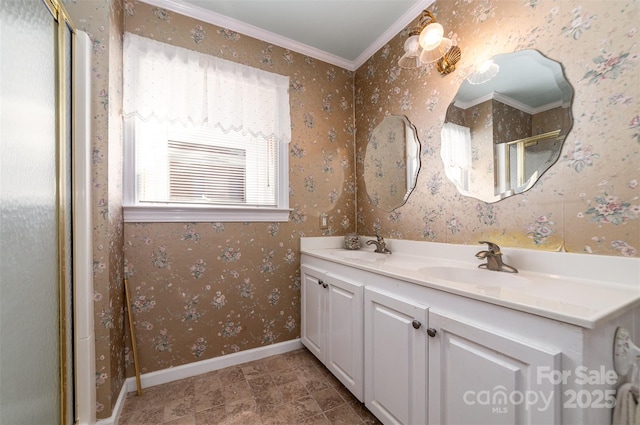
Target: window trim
[
  {"x": 135, "y": 212},
  {"x": 175, "y": 213}
]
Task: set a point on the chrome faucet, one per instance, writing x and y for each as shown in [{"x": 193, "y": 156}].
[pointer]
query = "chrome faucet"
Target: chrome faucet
[
  {"x": 493, "y": 255},
  {"x": 381, "y": 245}
]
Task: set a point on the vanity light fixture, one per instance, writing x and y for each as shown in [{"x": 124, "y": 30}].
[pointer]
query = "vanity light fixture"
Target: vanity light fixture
[{"x": 427, "y": 44}]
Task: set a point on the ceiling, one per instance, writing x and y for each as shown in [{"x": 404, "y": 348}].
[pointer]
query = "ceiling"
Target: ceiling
[
  {"x": 341, "y": 32},
  {"x": 526, "y": 80}
]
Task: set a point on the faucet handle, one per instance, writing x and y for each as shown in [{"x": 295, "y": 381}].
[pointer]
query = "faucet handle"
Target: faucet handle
[{"x": 493, "y": 248}]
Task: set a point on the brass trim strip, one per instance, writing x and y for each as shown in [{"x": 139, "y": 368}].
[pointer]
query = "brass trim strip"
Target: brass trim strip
[
  {"x": 520, "y": 164},
  {"x": 52, "y": 8},
  {"x": 132, "y": 331},
  {"x": 521, "y": 144},
  {"x": 64, "y": 23},
  {"x": 60, "y": 13},
  {"x": 507, "y": 168},
  {"x": 61, "y": 184},
  {"x": 529, "y": 140}
]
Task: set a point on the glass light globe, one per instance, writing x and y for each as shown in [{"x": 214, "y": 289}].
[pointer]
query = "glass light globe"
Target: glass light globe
[
  {"x": 428, "y": 56},
  {"x": 411, "y": 57},
  {"x": 485, "y": 72},
  {"x": 431, "y": 36},
  {"x": 412, "y": 45}
]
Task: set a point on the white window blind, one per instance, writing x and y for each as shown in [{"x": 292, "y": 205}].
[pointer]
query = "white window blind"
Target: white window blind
[
  {"x": 202, "y": 173},
  {"x": 202, "y": 131}
]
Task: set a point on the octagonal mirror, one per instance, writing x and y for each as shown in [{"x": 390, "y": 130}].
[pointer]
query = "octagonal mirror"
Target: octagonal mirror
[
  {"x": 506, "y": 125},
  {"x": 391, "y": 163}
]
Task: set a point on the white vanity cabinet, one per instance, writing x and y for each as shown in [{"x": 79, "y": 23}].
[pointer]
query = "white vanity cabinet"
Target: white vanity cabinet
[
  {"x": 395, "y": 358},
  {"x": 420, "y": 351},
  {"x": 332, "y": 324},
  {"x": 422, "y": 367},
  {"x": 481, "y": 377}
]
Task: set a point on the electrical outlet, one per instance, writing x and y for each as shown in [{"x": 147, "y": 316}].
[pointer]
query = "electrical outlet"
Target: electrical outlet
[{"x": 324, "y": 221}]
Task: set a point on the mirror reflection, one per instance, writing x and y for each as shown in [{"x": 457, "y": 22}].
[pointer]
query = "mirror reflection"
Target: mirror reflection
[
  {"x": 391, "y": 163},
  {"x": 506, "y": 125}
]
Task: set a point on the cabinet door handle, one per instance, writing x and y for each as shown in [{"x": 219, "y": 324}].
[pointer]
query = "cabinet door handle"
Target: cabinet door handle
[
  {"x": 324, "y": 285},
  {"x": 431, "y": 332},
  {"x": 416, "y": 324},
  {"x": 320, "y": 282}
]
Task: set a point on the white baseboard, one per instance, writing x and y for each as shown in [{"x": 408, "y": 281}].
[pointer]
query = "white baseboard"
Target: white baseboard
[
  {"x": 117, "y": 409},
  {"x": 197, "y": 368}
]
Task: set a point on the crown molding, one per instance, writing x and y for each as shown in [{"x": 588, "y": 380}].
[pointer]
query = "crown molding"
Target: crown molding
[
  {"x": 220, "y": 20},
  {"x": 392, "y": 31},
  {"x": 509, "y": 102}
]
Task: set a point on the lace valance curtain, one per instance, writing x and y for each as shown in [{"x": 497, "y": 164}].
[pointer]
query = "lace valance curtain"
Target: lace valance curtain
[
  {"x": 456, "y": 146},
  {"x": 173, "y": 85}
]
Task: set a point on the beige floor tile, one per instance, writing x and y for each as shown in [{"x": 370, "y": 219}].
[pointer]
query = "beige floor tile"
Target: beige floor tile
[
  {"x": 305, "y": 407},
  {"x": 260, "y": 383},
  {"x": 328, "y": 399},
  {"x": 186, "y": 420},
  {"x": 237, "y": 406},
  {"x": 208, "y": 398},
  {"x": 253, "y": 369},
  {"x": 207, "y": 381},
  {"x": 277, "y": 364},
  {"x": 293, "y": 390},
  {"x": 231, "y": 375},
  {"x": 287, "y": 389},
  {"x": 214, "y": 416},
  {"x": 278, "y": 414},
  {"x": 268, "y": 398},
  {"x": 152, "y": 415},
  {"x": 236, "y": 391},
  {"x": 316, "y": 420},
  {"x": 279, "y": 378},
  {"x": 179, "y": 408},
  {"x": 343, "y": 415}
]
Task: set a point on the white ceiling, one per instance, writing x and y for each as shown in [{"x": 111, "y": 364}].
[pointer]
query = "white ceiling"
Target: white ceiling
[
  {"x": 534, "y": 82},
  {"x": 341, "y": 32}
]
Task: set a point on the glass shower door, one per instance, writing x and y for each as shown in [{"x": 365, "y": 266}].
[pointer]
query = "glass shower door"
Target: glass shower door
[{"x": 32, "y": 260}]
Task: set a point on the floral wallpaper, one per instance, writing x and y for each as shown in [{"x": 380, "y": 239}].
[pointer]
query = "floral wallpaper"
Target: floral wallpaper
[
  {"x": 509, "y": 123},
  {"x": 202, "y": 290},
  {"x": 588, "y": 202}
]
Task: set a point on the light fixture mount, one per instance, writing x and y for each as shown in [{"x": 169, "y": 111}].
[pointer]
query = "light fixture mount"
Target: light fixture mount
[{"x": 447, "y": 63}]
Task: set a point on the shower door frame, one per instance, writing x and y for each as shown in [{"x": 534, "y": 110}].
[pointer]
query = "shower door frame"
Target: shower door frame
[
  {"x": 77, "y": 349},
  {"x": 62, "y": 180}
]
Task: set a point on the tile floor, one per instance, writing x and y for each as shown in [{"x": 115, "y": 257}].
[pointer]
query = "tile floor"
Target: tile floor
[{"x": 290, "y": 388}]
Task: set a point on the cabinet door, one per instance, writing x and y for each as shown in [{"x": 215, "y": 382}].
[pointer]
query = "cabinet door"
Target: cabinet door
[
  {"x": 481, "y": 377},
  {"x": 344, "y": 329},
  {"x": 312, "y": 324},
  {"x": 395, "y": 358}
]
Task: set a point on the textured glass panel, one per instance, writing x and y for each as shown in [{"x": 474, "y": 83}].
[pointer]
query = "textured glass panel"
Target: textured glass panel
[{"x": 29, "y": 349}]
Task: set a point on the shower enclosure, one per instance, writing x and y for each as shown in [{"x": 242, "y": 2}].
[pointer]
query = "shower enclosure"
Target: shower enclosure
[{"x": 37, "y": 349}]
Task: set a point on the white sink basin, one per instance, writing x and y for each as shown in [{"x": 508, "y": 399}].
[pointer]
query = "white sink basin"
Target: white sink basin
[
  {"x": 479, "y": 277},
  {"x": 359, "y": 255},
  {"x": 394, "y": 262}
]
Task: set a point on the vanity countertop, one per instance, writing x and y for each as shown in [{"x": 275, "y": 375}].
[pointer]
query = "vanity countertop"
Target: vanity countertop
[{"x": 578, "y": 289}]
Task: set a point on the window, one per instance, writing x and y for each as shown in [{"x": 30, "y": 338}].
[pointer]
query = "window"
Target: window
[
  {"x": 204, "y": 173},
  {"x": 205, "y": 139}
]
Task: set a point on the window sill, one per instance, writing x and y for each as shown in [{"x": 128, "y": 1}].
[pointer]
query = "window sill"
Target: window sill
[{"x": 202, "y": 214}]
